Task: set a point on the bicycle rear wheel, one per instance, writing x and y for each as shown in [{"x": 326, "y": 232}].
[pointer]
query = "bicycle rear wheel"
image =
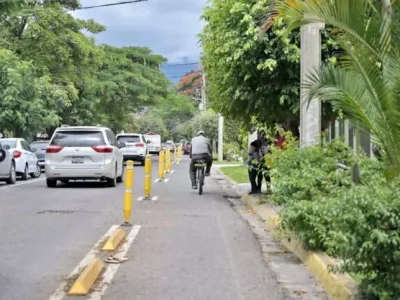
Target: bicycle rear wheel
[{"x": 200, "y": 179}]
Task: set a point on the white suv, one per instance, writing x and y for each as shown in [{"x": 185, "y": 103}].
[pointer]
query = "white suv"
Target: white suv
[
  {"x": 84, "y": 153},
  {"x": 136, "y": 146}
]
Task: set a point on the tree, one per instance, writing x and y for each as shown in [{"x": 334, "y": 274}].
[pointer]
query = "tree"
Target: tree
[
  {"x": 26, "y": 99},
  {"x": 250, "y": 74},
  {"x": 190, "y": 84},
  {"x": 365, "y": 83},
  {"x": 128, "y": 79}
]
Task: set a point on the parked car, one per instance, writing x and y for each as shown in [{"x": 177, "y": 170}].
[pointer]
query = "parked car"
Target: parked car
[
  {"x": 7, "y": 167},
  {"x": 170, "y": 145},
  {"x": 186, "y": 148},
  {"x": 39, "y": 148},
  {"x": 136, "y": 146},
  {"x": 26, "y": 162},
  {"x": 84, "y": 153}
]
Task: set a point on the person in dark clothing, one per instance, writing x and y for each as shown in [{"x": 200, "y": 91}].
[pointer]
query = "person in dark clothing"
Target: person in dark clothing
[
  {"x": 263, "y": 171},
  {"x": 253, "y": 166}
]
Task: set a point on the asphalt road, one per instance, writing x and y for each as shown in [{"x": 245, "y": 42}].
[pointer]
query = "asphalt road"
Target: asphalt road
[{"x": 189, "y": 246}]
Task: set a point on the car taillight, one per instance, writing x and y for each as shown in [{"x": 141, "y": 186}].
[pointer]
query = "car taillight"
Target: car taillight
[
  {"x": 103, "y": 149},
  {"x": 139, "y": 145},
  {"x": 17, "y": 154},
  {"x": 54, "y": 149}
]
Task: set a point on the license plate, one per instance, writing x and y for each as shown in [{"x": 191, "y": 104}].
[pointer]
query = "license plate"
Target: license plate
[{"x": 77, "y": 160}]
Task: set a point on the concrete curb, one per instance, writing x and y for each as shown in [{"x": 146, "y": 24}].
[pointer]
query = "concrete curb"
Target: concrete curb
[
  {"x": 338, "y": 286},
  {"x": 114, "y": 240},
  {"x": 88, "y": 277}
]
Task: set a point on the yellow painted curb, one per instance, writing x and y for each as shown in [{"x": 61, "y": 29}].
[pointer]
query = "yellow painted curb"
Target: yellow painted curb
[
  {"x": 338, "y": 286},
  {"x": 114, "y": 240},
  {"x": 85, "y": 281}
]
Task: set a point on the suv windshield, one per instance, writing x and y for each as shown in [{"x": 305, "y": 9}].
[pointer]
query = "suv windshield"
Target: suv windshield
[
  {"x": 12, "y": 144},
  {"x": 78, "y": 139},
  {"x": 129, "y": 139}
]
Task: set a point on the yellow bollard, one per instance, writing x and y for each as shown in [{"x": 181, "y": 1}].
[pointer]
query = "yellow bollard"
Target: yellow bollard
[
  {"x": 147, "y": 177},
  {"x": 176, "y": 153},
  {"x": 128, "y": 192},
  {"x": 161, "y": 165},
  {"x": 168, "y": 161}
]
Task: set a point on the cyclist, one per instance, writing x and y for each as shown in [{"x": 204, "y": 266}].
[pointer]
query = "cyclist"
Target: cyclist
[{"x": 200, "y": 149}]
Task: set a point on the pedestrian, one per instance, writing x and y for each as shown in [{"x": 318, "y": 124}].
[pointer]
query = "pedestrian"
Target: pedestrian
[
  {"x": 252, "y": 164},
  {"x": 262, "y": 170}
]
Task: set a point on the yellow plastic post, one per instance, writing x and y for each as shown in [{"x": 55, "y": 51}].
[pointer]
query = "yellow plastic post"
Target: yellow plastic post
[
  {"x": 161, "y": 165},
  {"x": 128, "y": 192},
  {"x": 168, "y": 161},
  {"x": 176, "y": 153},
  {"x": 147, "y": 176}
]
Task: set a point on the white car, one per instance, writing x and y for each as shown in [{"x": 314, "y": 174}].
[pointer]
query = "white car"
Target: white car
[
  {"x": 84, "y": 153},
  {"x": 26, "y": 162},
  {"x": 136, "y": 146},
  {"x": 7, "y": 167}
]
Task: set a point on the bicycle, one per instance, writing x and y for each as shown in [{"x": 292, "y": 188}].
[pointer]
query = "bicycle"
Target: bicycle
[{"x": 200, "y": 166}]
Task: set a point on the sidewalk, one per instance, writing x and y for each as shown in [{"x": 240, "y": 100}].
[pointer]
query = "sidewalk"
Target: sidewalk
[{"x": 192, "y": 247}]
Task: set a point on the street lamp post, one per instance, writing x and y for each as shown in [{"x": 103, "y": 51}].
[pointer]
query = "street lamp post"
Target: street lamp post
[{"x": 310, "y": 113}]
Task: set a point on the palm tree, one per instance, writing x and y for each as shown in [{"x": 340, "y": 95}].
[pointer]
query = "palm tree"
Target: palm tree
[{"x": 365, "y": 83}]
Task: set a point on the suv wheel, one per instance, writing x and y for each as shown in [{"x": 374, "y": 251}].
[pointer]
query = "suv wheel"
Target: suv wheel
[
  {"x": 13, "y": 175},
  {"x": 121, "y": 178},
  {"x": 112, "y": 182},
  {"x": 24, "y": 175},
  {"x": 51, "y": 183}
]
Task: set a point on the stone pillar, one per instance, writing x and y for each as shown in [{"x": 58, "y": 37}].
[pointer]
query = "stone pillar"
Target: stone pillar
[{"x": 310, "y": 115}]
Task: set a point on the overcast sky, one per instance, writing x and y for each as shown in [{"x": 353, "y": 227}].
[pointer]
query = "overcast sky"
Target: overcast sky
[{"x": 168, "y": 27}]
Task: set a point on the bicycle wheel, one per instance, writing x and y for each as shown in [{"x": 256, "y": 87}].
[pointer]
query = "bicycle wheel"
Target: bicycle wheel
[{"x": 201, "y": 180}]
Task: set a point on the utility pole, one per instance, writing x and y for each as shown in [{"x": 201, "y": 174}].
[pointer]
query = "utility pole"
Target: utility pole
[
  {"x": 310, "y": 113},
  {"x": 220, "y": 137}
]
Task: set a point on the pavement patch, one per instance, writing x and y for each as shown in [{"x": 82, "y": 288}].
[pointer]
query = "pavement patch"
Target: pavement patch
[
  {"x": 87, "y": 278},
  {"x": 114, "y": 240}
]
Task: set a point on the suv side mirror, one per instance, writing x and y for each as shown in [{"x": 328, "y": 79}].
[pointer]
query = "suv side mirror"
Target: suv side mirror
[
  {"x": 148, "y": 142},
  {"x": 121, "y": 145},
  {"x": 34, "y": 149}
]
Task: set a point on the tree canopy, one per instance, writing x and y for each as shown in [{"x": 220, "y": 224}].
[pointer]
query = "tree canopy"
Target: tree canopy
[
  {"x": 249, "y": 73},
  {"x": 52, "y": 73}
]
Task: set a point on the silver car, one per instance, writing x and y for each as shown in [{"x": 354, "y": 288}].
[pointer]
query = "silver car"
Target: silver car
[
  {"x": 39, "y": 148},
  {"x": 136, "y": 146},
  {"x": 7, "y": 167}
]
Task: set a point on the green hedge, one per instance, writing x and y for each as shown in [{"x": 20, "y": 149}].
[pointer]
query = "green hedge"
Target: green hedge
[{"x": 359, "y": 224}]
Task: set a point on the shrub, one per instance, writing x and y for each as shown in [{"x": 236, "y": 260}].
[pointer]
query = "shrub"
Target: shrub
[
  {"x": 359, "y": 224},
  {"x": 309, "y": 173}
]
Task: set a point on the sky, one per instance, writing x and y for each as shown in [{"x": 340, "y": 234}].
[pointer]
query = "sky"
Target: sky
[{"x": 168, "y": 27}]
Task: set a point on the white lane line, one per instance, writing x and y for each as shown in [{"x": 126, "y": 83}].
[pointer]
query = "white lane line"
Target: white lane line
[
  {"x": 60, "y": 293},
  {"x": 154, "y": 198},
  {"x": 162, "y": 180},
  {"x": 112, "y": 268},
  {"x": 22, "y": 183}
]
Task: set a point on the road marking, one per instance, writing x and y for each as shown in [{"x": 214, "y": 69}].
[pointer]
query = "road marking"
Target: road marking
[
  {"x": 22, "y": 183},
  {"x": 60, "y": 293},
  {"x": 154, "y": 198},
  {"x": 162, "y": 180},
  {"x": 112, "y": 268}
]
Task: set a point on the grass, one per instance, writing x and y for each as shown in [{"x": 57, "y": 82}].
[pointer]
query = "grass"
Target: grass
[
  {"x": 216, "y": 162},
  {"x": 238, "y": 174}
]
